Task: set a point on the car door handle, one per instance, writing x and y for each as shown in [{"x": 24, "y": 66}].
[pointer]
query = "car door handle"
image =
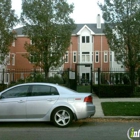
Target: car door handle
[
  {"x": 21, "y": 101},
  {"x": 50, "y": 100}
]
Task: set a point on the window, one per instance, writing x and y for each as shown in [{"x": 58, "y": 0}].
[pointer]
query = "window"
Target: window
[
  {"x": 85, "y": 39},
  {"x": 105, "y": 57},
  {"x": 67, "y": 57},
  {"x": 110, "y": 56},
  {"x": 10, "y": 59},
  {"x": 20, "y": 91},
  {"x": 85, "y": 57},
  {"x": 31, "y": 42},
  {"x": 33, "y": 58},
  {"x": 13, "y": 44},
  {"x": 40, "y": 90},
  {"x": 74, "y": 57},
  {"x": 96, "y": 57},
  {"x": 13, "y": 59}
]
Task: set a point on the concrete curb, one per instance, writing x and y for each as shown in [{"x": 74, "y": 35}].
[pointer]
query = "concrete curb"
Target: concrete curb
[{"x": 117, "y": 117}]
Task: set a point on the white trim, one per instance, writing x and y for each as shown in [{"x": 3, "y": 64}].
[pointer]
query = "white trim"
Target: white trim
[
  {"x": 85, "y": 26},
  {"x": 13, "y": 59},
  {"x": 97, "y": 55},
  {"x": 67, "y": 56},
  {"x": 22, "y": 36},
  {"x": 13, "y": 43},
  {"x": 74, "y": 55},
  {"x": 100, "y": 34},
  {"x": 105, "y": 56}
]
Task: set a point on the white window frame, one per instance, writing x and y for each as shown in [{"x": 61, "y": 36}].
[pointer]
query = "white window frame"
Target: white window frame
[
  {"x": 8, "y": 59},
  {"x": 111, "y": 56},
  {"x": 85, "y": 56},
  {"x": 74, "y": 56},
  {"x": 30, "y": 42},
  {"x": 67, "y": 57},
  {"x": 86, "y": 39},
  {"x": 13, "y": 43},
  {"x": 96, "y": 55},
  {"x": 12, "y": 59},
  {"x": 105, "y": 57}
]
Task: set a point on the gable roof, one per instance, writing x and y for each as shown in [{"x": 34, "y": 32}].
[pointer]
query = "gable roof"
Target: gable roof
[
  {"x": 92, "y": 27},
  {"x": 85, "y": 26}
]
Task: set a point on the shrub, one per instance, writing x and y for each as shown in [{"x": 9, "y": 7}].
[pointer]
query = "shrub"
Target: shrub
[
  {"x": 56, "y": 79},
  {"x": 2, "y": 87},
  {"x": 113, "y": 90}
]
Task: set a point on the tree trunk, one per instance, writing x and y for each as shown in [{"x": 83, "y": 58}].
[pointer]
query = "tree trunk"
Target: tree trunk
[
  {"x": 46, "y": 70},
  {"x": 132, "y": 77}
]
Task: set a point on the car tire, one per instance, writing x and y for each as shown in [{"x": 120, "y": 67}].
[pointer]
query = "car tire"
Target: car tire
[{"x": 62, "y": 117}]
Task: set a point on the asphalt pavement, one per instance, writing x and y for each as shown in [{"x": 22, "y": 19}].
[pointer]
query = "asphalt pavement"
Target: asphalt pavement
[{"x": 99, "y": 112}]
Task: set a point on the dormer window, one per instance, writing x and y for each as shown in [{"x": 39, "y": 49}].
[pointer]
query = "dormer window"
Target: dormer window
[{"x": 85, "y": 39}]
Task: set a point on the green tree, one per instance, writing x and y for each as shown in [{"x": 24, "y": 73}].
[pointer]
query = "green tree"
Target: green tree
[
  {"x": 122, "y": 19},
  {"x": 8, "y": 20},
  {"x": 49, "y": 26}
]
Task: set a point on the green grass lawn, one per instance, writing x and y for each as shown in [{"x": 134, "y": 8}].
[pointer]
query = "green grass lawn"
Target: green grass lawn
[{"x": 121, "y": 108}]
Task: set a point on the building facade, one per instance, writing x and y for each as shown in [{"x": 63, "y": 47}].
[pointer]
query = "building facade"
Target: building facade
[{"x": 88, "y": 46}]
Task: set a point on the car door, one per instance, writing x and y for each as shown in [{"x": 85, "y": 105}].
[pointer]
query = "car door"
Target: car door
[
  {"x": 13, "y": 103},
  {"x": 43, "y": 97}
]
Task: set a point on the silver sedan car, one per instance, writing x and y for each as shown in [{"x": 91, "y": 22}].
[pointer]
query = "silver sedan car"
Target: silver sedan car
[{"x": 34, "y": 102}]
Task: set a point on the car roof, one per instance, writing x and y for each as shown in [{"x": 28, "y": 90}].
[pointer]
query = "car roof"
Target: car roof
[{"x": 38, "y": 83}]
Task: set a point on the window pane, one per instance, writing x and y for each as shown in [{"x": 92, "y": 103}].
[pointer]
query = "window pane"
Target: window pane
[
  {"x": 74, "y": 57},
  {"x": 97, "y": 57},
  {"x": 83, "y": 58},
  {"x": 85, "y": 52},
  {"x": 21, "y": 91},
  {"x": 66, "y": 57},
  {"x": 105, "y": 57},
  {"x": 87, "y": 58},
  {"x": 40, "y": 90},
  {"x": 54, "y": 91},
  {"x": 83, "y": 39},
  {"x": 110, "y": 56},
  {"x": 87, "y": 39}
]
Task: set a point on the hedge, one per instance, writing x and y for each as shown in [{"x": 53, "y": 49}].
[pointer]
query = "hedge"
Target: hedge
[
  {"x": 2, "y": 87},
  {"x": 113, "y": 90}
]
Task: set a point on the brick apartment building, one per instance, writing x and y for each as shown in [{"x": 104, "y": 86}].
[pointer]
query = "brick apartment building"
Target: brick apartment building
[{"x": 88, "y": 46}]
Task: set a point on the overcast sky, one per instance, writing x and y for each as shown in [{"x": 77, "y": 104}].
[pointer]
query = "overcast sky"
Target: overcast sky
[{"x": 85, "y": 11}]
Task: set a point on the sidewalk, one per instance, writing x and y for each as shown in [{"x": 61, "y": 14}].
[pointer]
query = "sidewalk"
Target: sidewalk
[{"x": 99, "y": 112}]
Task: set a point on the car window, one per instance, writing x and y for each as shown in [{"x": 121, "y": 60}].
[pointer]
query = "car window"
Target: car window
[
  {"x": 54, "y": 91},
  {"x": 42, "y": 90},
  {"x": 20, "y": 91}
]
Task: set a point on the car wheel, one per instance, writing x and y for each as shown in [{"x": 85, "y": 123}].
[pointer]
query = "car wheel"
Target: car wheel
[{"x": 62, "y": 117}]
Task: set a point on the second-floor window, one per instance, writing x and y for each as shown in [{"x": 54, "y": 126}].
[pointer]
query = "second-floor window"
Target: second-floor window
[
  {"x": 96, "y": 57},
  {"x": 85, "y": 57},
  {"x": 33, "y": 58},
  {"x": 105, "y": 57},
  {"x": 13, "y": 59},
  {"x": 13, "y": 43},
  {"x": 85, "y": 39},
  {"x": 67, "y": 57},
  {"x": 74, "y": 57},
  {"x": 110, "y": 56},
  {"x": 10, "y": 59}
]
